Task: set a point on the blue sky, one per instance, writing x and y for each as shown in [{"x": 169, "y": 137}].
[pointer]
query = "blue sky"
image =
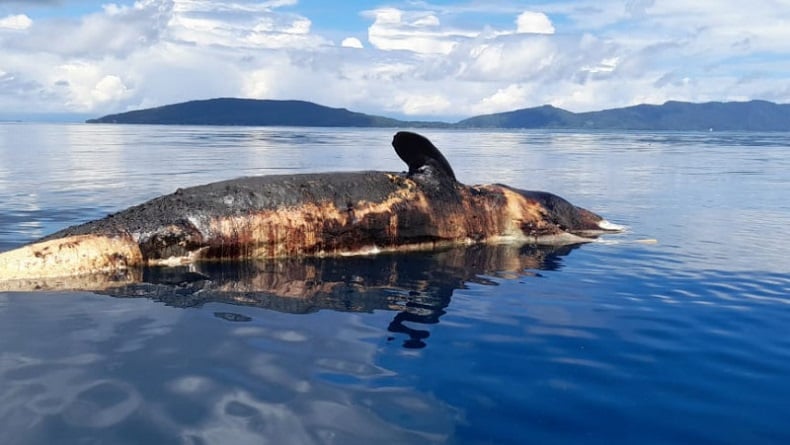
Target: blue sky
[{"x": 424, "y": 59}]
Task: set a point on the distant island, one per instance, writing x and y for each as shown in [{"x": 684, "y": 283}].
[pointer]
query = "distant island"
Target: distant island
[
  {"x": 756, "y": 115},
  {"x": 255, "y": 112}
]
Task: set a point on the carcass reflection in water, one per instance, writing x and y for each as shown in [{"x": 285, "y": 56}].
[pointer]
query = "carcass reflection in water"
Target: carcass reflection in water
[{"x": 418, "y": 285}]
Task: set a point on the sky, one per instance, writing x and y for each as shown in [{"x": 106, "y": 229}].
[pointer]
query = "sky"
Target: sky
[{"x": 437, "y": 59}]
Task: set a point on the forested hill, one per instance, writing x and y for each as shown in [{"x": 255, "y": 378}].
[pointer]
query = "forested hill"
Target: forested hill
[
  {"x": 719, "y": 116},
  {"x": 750, "y": 116},
  {"x": 254, "y": 112}
]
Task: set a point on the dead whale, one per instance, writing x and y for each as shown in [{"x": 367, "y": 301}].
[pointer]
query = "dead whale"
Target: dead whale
[{"x": 324, "y": 214}]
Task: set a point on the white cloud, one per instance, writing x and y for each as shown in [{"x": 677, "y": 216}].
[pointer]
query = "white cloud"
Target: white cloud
[
  {"x": 115, "y": 31},
  {"x": 419, "y": 32},
  {"x": 509, "y": 58},
  {"x": 420, "y": 59},
  {"x": 508, "y": 98},
  {"x": 87, "y": 86},
  {"x": 16, "y": 22},
  {"x": 351, "y": 42},
  {"x": 529, "y": 22},
  {"x": 605, "y": 66},
  {"x": 237, "y": 25},
  {"x": 420, "y": 103},
  {"x": 638, "y": 8},
  {"x": 109, "y": 88}
]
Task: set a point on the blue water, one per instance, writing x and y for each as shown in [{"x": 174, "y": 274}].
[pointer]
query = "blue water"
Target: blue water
[{"x": 673, "y": 332}]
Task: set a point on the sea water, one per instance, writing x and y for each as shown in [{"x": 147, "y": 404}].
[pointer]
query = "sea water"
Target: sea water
[{"x": 672, "y": 332}]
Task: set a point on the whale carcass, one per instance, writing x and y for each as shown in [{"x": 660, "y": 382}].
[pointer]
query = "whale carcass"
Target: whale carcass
[{"x": 321, "y": 214}]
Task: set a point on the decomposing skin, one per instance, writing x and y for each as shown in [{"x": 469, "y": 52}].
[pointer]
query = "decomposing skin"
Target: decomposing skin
[{"x": 309, "y": 215}]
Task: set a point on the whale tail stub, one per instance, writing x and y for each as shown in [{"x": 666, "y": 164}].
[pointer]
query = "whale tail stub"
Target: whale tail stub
[{"x": 418, "y": 152}]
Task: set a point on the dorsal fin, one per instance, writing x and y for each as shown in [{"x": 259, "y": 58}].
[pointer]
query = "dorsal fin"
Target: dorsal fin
[{"x": 417, "y": 151}]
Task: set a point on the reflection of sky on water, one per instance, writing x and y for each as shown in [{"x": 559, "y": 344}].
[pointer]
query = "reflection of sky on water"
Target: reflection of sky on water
[
  {"x": 217, "y": 372},
  {"x": 573, "y": 347},
  {"x": 99, "y": 367}
]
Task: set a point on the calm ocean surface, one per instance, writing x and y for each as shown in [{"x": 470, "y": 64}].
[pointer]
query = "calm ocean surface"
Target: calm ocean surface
[{"x": 673, "y": 332}]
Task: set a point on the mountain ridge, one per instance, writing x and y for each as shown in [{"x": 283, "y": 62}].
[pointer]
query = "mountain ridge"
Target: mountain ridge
[
  {"x": 754, "y": 115},
  {"x": 252, "y": 112}
]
